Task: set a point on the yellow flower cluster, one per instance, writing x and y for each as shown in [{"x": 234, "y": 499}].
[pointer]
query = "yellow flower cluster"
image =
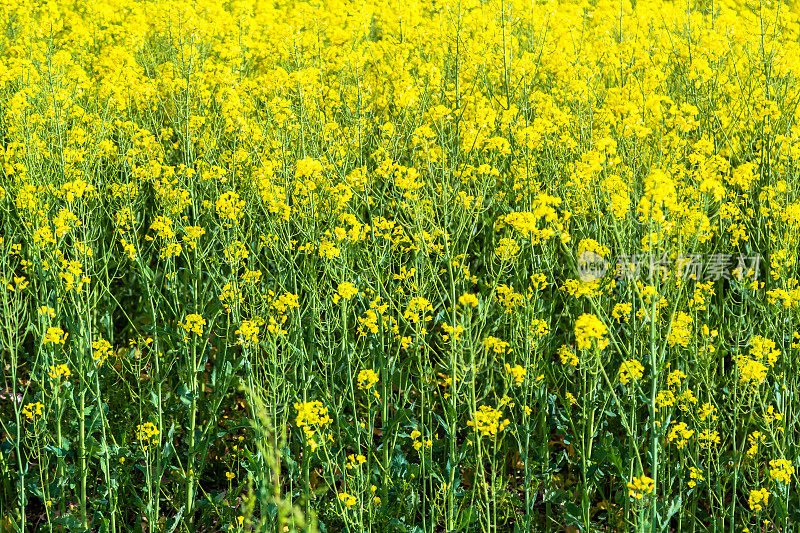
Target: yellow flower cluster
[
  {"x": 147, "y": 434},
  {"x": 55, "y": 336},
  {"x": 567, "y": 356},
  {"x": 681, "y": 331},
  {"x": 506, "y": 250},
  {"x": 695, "y": 477},
  {"x": 193, "y": 323},
  {"x": 630, "y": 370},
  {"x": 432, "y": 180},
  {"x": 517, "y": 373},
  {"x": 367, "y": 379},
  {"x": 418, "y": 442},
  {"x": 758, "y": 499},
  {"x": 495, "y": 345},
  {"x": 621, "y": 312},
  {"x": 33, "y": 411},
  {"x": 347, "y": 499},
  {"x": 781, "y": 470},
  {"x": 590, "y": 331},
  {"x": 248, "y": 331},
  {"x": 354, "y": 460},
  {"x": 101, "y": 350},
  {"x": 680, "y": 434},
  {"x": 230, "y": 296},
  {"x": 346, "y": 291},
  {"x": 230, "y": 207},
  {"x": 73, "y": 276},
  {"x": 487, "y": 421},
  {"x": 468, "y": 300},
  {"x": 762, "y": 349},
  {"x": 750, "y": 370},
  {"x": 60, "y": 371},
  {"x": 416, "y": 309},
  {"x": 311, "y": 414},
  {"x": 638, "y": 487},
  {"x": 708, "y": 438},
  {"x": 19, "y": 284},
  {"x": 47, "y": 311},
  {"x": 754, "y": 441}
]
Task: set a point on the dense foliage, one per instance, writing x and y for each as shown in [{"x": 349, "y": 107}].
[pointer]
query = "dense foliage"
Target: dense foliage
[{"x": 423, "y": 266}]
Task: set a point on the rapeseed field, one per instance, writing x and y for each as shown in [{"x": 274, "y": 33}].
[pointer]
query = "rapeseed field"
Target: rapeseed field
[{"x": 416, "y": 266}]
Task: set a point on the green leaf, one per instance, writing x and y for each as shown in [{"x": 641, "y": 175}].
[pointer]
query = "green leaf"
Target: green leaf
[
  {"x": 573, "y": 514},
  {"x": 674, "y": 507}
]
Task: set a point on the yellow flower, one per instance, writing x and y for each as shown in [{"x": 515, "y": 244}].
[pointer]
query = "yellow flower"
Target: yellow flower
[
  {"x": 538, "y": 328},
  {"x": 567, "y": 356},
  {"x": 367, "y": 378},
  {"x": 750, "y": 371},
  {"x": 681, "y": 330},
  {"x": 773, "y": 416},
  {"x": 419, "y": 443},
  {"x": 347, "y": 499},
  {"x": 708, "y": 438},
  {"x": 47, "y": 311},
  {"x": 508, "y": 298},
  {"x": 59, "y": 371},
  {"x": 571, "y": 399},
  {"x": 680, "y": 434},
  {"x": 621, "y": 312},
  {"x": 695, "y": 477},
  {"x": 354, "y": 460},
  {"x": 72, "y": 190},
  {"x": 759, "y": 498},
  {"x": 230, "y": 296},
  {"x": 453, "y": 333},
  {"x": 781, "y": 471},
  {"x": 506, "y": 250},
  {"x": 73, "y": 276},
  {"x": 55, "y": 336},
  {"x": 675, "y": 378},
  {"x": 493, "y": 344},
  {"x": 236, "y": 251},
  {"x": 248, "y": 331},
  {"x": 665, "y": 398},
  {"x": 468, "y": 299},
  {"x": 191, "y": 234},
  {"x": 487, "y": 421},
  {"x": 589, "y": 331},
  {"x": 193, "y": 324},
  {"x": 345, "y": 290},
  {"x": 33, "y": 411},
  {"x": 229, "y": 207},
  {"x": 416, "y": 309},
  {"x": 20, "y": 284},
  {"x": 310, "y": 414},
  {"x": 762, "y": 349},
  {"x": 754, "y": 440},
  {"x": 328, "y": 250},
  {"x": 146, "y": 434},
  {"x": 101, "y": 351},
  {"x": 707, "y": 410},
  {"x": 630, "y": 370},
  {"x": 638, "y": 487},
  {"x": 517, "y": 373}
]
